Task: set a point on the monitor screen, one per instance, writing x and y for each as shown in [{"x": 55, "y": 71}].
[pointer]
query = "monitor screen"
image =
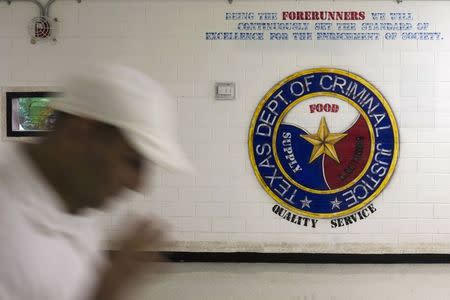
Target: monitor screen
[{"x": 28, "y": 113}]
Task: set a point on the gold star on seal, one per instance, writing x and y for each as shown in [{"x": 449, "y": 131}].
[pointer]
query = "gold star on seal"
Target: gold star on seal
[{"x": 323, "y": 141}]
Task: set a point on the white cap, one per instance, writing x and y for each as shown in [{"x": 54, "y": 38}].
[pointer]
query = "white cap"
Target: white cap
[{"x": 134, "y": 103}]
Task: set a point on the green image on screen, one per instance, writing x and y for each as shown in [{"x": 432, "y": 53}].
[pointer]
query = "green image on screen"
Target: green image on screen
[{"x": 33, "y": 114}]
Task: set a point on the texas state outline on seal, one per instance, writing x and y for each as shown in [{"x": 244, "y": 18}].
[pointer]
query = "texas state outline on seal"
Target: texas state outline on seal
[{"x": 323, "y": 143}]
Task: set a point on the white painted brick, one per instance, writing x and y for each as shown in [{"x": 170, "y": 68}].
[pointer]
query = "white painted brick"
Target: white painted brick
[
  {"x": 366, "y": 226},
  {"x": 226, "y": 73},
  {"x": 442, "y": 150},
  {"x": 167, "y": 72},
  {"x": 211, "y": 237},
  {"x": 417, "y": 119},
  {"x": 408, "y": 135},
  {"x": 441, "y": 73},
  {"x": 406, "y": 238},
  {"x": 404, "y": 72},
  {"x": 412, "y": 150},
  {"x": 414, "y": 179},
  {"x": 212, "y": 179},
  {"x": 427, "y": 226},
  {"x": 285, "y": 71},
  {"x": 212, "y": 209},
  {"x": 375, "y": 45},
  {"x": 442, "y": 89},
  {"x": 434, "y": 166},
  {"x": 171, "y": 179},
  {"x": 229, "y": 194},
  {"x": 28, "y": 73},
  {"x": 413, "y": 76},
  {"x": 259, "y": 225},
  {"x": 366, "y": 238},
  {"x": 418, "y": 89},
  {"x": 233, "y": 166},
  {"x": 6, "y": 19},
  {"x": 244, "y": 180},
  {"x": 303, "y": 237},
  {"x": 323, "y": 227},
  {"x": 442, "y": 119},
  {"x": 407, "y": 165},
  {"x": 408, "y": 104},
  {"x": 442, "y": 180},
  {"x": 186, "y": 119},
  {"x": 441, "y": 238},
  {"x": 178, "y": 209},
  {"x": 182, "y": 89},
  {"x": 433, "y": 194},
  {"x": 192, "y": 70},
  {"x": 228, "y": 225},
  {"x": 424, "y": 58},
  {"x": 426, "y": 73},
  {"x": 435, "y": 44},
  {"x": 424, "y": 104},
  {"x": 67, "y": 14},
  {"x": 443, "y": 225},
  {"x": 247, "y": 237},
  {"x": 195, "y": 194},
  {"x": 395, "y": 194},
  {"x": 211, "y": 120},
  {"x": 374, "y": 73},
  {"x": 400, "y": 226},
  {"x": 184, "y": 59},
  {"x": 410, "y": 45},
  {"x": 231, "y": 107},
  {"x": 384, "y": 58},
  {"x": 5, "y": 48},
  {"x": 442, "y": 211},
  {"x": 194, "y": 224},
  {"x": 204, "y": 89},
  {"x": 314, "y": 60},
  {"x": 255, "y": 193},
  {"x": 211, "y": 151},
  {"x": 250, "y": 60},
  {"x": 229, "y": 135},
  {"x": 178, "y": 236},
  {"x": 391, "y": 91},
  {"x": 196, "y": 135},
  {"x": 385, "y": 210},
  {"x": 21, "y": 13},
  {"x": 275, "y": 59},
  {"x": 246, "y": 209},
  {"x": 443, "y": 58},
  {"x": 416, "y": 211},
  {"x": 267, "y": 209},
  {"x": 339, "y": 48},
  {"x": 163, "y": 193},
  {"x": 434, "y": 135}
]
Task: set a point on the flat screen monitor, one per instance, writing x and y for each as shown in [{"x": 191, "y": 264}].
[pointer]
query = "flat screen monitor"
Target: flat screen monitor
[{"x": 28, "y": 113}]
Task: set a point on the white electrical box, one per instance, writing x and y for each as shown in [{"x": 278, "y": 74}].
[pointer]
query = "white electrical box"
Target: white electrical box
[{"x": 225, "y": 90}]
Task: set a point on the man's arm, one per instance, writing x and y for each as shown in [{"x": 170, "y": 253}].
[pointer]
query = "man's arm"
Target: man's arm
[{"x": 128, "y": 265}]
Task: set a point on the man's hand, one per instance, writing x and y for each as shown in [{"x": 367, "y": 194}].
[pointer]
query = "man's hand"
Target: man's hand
[{"x": 131, "y": 261}]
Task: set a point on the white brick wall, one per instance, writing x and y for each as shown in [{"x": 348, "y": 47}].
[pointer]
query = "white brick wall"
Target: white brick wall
[{"x": 223, "y": 201}]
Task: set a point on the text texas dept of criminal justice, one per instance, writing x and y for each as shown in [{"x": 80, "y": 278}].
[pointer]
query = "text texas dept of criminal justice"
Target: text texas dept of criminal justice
[{"x": 323, "y": 144}]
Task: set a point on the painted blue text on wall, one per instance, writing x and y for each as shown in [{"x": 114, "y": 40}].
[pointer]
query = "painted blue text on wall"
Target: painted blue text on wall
[{"x": 325, "y": 25}]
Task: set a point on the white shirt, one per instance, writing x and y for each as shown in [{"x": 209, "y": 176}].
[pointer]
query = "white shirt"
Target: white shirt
[{"x": 45, "y": 253}]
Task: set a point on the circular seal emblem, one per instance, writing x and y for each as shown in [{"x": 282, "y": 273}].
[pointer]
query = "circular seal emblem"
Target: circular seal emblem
[{"x": 323, "y": 143}]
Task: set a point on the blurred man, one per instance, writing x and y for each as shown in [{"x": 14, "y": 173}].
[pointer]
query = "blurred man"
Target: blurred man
[{"x": 110, "y": 125}]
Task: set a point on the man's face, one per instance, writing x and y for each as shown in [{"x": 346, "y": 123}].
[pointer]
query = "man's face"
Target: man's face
[{"x": 106, "y": 164}]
